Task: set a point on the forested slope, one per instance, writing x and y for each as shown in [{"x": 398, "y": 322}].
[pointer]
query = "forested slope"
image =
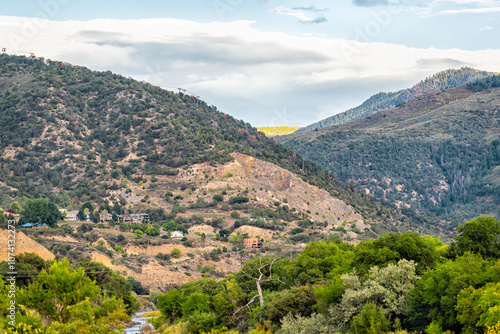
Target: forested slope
[{"x": 438, "y": 153}]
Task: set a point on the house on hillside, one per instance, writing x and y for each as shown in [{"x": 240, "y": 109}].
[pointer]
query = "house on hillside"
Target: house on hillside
[
  {"x": 125, "y": 218},
  {"x": 71, "y": 215},
  {"x": 176, "y": 235},
  {"x": 252, "y": 243},
  {"x": 139, "y": 217},
  {"x": 105, "y": 217}
]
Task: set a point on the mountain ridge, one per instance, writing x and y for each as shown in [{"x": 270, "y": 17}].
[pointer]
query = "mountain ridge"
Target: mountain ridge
[
  {"x": 388, "y": 100},
  {"x": 74, "y": 135},
  {"x": 436, "y": 153}
]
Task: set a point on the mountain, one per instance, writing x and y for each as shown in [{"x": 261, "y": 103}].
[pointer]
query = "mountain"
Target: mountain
[
  {"x": 438, "y": 153},
  {"x": 73, "y": 135},
  {"x": 381, "y": 101},
  {"x": 82, "y": 138}
]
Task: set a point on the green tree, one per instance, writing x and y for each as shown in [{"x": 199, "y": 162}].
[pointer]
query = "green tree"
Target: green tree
[
  {"x": 393, "y": 247},
  {"x": 371, "y": 320},
  {"x": 199, "y": 322},
  {"x": 479, "y": 308},
  {"x": 317, "y": 323},
  {"x": 81, "y": 215},
  {"x": 54, "y": 292},
  {"x": 318, "y": 261},
  {"x": 41, "y": 211},
  {"x": 27, "y": 264},
  {"x": 197, "y": 301},
  {"x": 480, "y": 235},
  {"x": 15, "y": 207},
  {"x": 176, "y": 253},
  {"x": 170, "y": 304},
  {"x": 138, "y": 234},
  {"x": 152, "y": 231},
  {"x": 386, "y": 287},
  {"x": 435, "y": 294}
]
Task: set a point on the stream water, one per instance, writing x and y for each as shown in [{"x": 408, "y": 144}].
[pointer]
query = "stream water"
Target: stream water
[{"x": 137, "y": 328}]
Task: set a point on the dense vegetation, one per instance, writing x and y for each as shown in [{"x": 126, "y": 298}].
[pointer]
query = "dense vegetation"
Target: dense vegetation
[
  {"x": 54, "y": 297},
  {"x": 438, "y": 153},
  {"x": 382, "y": 101},
  {"x": 73, "y": 135},
  {"x": 399, "y": 283}
]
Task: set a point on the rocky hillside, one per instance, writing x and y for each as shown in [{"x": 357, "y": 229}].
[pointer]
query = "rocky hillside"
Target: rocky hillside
[
  {"x": 438, "y": 153},
  {"x": 74, "y": 135},
  {"x": 383, "y": 100}
]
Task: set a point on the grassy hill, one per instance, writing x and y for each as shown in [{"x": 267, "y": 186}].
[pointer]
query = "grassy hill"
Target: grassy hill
[
  {"x": 272, "y": 131},
  {"x": 383, "y": 100},
  {"x": 438, "y": 153}
]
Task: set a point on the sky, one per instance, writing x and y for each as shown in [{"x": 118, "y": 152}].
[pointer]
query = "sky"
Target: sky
[{"x": 270, "y": 63}]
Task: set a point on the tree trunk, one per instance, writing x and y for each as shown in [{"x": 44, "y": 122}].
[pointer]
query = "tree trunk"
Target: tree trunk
[{"x": 259, "y": 289}]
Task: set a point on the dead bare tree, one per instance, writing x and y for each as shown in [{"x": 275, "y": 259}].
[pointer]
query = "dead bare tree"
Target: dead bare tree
[{"x": 262, "y": 278}]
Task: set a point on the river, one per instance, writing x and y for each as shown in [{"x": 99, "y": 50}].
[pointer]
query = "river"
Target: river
[{"x": 137, "y": 328}]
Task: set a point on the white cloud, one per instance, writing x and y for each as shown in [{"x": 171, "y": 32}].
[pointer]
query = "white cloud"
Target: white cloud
[
  {"x": 300, "y": 13},
  {"x": 245, "y": 72},
  {"x": 457, "y": 7},
  {"x": 485, "y": 10}
]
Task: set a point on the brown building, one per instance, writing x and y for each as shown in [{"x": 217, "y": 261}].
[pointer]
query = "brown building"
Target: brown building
[{"x": 252, "y": 243}]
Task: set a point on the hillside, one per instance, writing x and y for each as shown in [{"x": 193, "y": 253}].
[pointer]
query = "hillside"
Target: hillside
[
  {"x": 73, "y": 136},
  {"x": 272, "y": 131},
  {"x": 439, "y": 153},
  {"x": 383, "y": 100}
]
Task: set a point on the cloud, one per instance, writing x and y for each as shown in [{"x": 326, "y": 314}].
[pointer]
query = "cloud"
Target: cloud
[
  {"x": 484, "y": 10},
  {"x": 370, "y": 3},
  {"x": 427, "y": 63},
  {"x": 311, "y": 8},
  {"x": 458, "y": 7},
  {"x": 300, "y": 13},
  {"x": 256, "y": 75}
]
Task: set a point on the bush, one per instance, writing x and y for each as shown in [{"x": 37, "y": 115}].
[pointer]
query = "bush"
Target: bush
[
  {"x": 176, "y": 253},
  {"x": 218, "y": 198},
  {"x": 238, "y": 200},
  {"x": 163, "y": 257},
  {"x": 152, "y": 231},
  {"x": 138, "y": 234},
  {"x": 296, "y": 230},
  {"x": 85, "y": 228}
]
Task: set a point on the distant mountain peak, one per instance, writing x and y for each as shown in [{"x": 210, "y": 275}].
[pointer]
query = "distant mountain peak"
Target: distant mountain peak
[{"x": 386, "y": 100}]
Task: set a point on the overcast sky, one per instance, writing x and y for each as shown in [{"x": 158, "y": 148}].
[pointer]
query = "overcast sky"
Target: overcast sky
[{"x": 267, "y": 62}]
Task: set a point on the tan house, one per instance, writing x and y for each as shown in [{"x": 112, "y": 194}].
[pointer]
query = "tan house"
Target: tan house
[
  {"x": 105, "y": 217},
  {"x": 71, "y": 215},
  {"x": 252, "y": 243}
]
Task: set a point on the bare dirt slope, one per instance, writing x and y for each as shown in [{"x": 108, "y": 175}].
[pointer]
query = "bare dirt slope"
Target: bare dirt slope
[
  {"x": 24, "y": 244},
  {"x": 278, "y": 184}
]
